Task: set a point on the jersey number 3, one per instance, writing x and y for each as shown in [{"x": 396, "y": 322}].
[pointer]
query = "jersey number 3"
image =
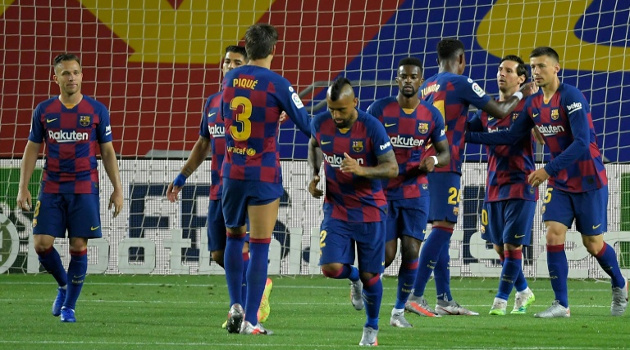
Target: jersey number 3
[{"x": 241, "y": 130}]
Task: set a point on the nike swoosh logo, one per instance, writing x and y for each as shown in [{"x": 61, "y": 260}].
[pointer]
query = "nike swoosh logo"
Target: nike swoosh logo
[
  {"x": 535, "y": 115},
  {"x": 94, "y": 228},
  {"x": 211, "y": 114},
  {"x": 326, "y": 142},
  {"x": 432, "y": 262},
  {"x": 389, "y": 125},
  {"x": 490, "y": 118},
  {"x": 596, "y": 227},
  {"x": 519, "y": 236},
  {"x": 51, "y": 120}
]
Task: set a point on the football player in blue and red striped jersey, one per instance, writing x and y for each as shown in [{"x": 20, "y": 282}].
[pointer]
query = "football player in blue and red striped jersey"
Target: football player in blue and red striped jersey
[
  {"x": 253, "y": 99},
  {"x": 212, "y": 141},
  {"x": 356, "y": 153},
  {"x": 411, "y": 124},
  {"x": 74, "y": 127},
  {"x": 578, "y": 186},
  {"x": 510, "y": 202}
]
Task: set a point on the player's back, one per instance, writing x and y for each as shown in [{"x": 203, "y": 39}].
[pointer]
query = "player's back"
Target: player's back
[
  {"x": 253, "y": 98},
  {"x": 213, "y": 128},
  {"x": 452, "y": 94}
]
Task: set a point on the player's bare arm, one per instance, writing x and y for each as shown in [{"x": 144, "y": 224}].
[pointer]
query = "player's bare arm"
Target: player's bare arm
[
  {"x": 386, "y": 168},
  {"x": 315, "y": 159},
  {"x": 24, "y": 199},
  {"x": 111, "y": 167},
  {"x": 199, "y": 153},
  {"x": 443, "y": 158},
  {"x": 501, "y": 109}
]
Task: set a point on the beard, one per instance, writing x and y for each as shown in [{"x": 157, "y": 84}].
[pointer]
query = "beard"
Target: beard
[{"x": 408, "y": 91}]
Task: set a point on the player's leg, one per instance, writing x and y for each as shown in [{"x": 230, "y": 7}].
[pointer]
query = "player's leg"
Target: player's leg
[
  {"x": 518, "y": 233},
  {"x": 558, "y": 215},
  {"x": 591, "y": 222},
  {"x": 49, "y": 222},
  {"x": 84, "y": 222},
  {"x": 234, "y": 207},
  {"x": 391, "y": 236},
  {"x": 493, "y": 222},
  {"x": 370, "y": 240}
]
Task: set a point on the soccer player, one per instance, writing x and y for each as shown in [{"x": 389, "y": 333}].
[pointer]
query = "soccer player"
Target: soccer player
[
  {"x": 73, "y": 126},
  {"x": 252, "y": 101},
  {"x": 578, "y": 186},
  {"x": 356, "y": 153},
  {"x": 451, "y": 93},
  {"x": 212, "y": 141},
  {"x": 510, "y": 202},
  {"x": 410, "y": 124}
]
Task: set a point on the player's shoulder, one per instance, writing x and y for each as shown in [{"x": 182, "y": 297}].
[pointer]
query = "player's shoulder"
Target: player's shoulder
[
  {"x": 97, "y": 105},
  {"x": 44, "y": 104},
  {"x": 569, "y": 90},
  {"x": 320, "y": 117},
  {"x": 368, "y": 119},
  {"x": 377, "y": 107}
]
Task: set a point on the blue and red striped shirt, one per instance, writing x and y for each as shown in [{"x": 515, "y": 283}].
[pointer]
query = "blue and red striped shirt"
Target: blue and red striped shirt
[
  {"x": 354, "y": 198},
  {"x": 409, "y": 133},
  {"x": 213, "y": 128},
  {"x": 508, "y": 165},
  {"x": 253, "y": 98},
  {"x": 565, "y": 122},
  {"x": 72, "y": 137},
  {"x": 452, "y": 94}
]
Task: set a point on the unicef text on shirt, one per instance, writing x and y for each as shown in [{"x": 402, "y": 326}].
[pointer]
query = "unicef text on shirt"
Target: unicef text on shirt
[{"x": 64, "y": 136}]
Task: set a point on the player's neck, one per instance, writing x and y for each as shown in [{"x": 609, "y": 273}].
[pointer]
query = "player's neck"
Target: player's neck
[
  {"x": 408, "y": 102},
  {"x": 71, "y": 100},
  {"x": 505, "y": 95},
  {"x": 262, "y": 62},
  {"x": 551, "y": 88}
]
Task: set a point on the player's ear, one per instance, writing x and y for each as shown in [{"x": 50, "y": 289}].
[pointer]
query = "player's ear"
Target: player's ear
[
  {"x": 273, "y": 52},
  {"x": 356, "y": 101}
]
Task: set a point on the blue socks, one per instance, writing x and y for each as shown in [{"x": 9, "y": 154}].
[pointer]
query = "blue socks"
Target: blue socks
[
  {"x": 512, "y": 267},
  {"x": 406, "y": 278},
  {"x": 51, "y": 261},
  {"x": 76, "y": 274},
  {"x": 256, "y": 276},
  {"x": 439, "y": 239},
  {"x": 607, "y": 259},
  {"x": 372, "y": 296},
  {"x": 233, "y": 260},
  {"x": 558, "y": 272}
]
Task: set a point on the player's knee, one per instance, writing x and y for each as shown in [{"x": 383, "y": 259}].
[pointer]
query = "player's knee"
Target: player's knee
[
  {"x": 332, "y": 270},
  {"x": 217, "y": 257},
  {"x": 369, "y": 278}
]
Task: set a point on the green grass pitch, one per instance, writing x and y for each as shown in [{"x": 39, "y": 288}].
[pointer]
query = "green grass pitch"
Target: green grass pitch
[{"x": 186, "y": 312}]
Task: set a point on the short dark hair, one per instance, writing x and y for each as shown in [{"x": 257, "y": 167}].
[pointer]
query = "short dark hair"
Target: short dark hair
[
  {"x": 521, "y": 69},
  {"x": 66, "y": 57},
  {"x": 545, "y": 51},
  {"x": 237, "y": 49},
  {"x": 337, "y": 87},
  {"x": 410, "y": 61},
  {"x": 259, "y": 40},
  {"x": 448, "y": 48}
]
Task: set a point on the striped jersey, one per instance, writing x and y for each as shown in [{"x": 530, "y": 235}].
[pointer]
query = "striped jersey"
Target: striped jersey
[
  {"x": 353, "y": 198},
  {"x": 213, "y": 128},
  {"x": 409, "y": 134},
  {"x": 253, "y": 98},
  {"x": 72, "y": 137},
  {"x": 508, "y": 165},
  {"x": 565, "y": 122},
  {"x": 452, "y": 94}
]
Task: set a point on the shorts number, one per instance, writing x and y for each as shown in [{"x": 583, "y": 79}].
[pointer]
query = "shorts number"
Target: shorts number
[
  {"x": 244, "y": 124},
  {"x": 548, "y": 195},
  {"x": 484, "y": 217},
  {"x": 37, "y": 205},
  {"x": 454, "y": 196}
]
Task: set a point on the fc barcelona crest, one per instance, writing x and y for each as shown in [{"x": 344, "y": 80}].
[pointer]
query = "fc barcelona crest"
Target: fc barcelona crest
[
  {"x": 357, "y": 146},
  {"x": 84, "y": 120},
  {"x": 456, "y": 211},
  {"x": 514, "y": 115},
  {"x": 423, "y": 128},
  {"x": 555, "y": 114}
]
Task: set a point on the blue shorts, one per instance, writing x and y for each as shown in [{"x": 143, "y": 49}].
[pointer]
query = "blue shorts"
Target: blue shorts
[
  {"x": 589, "y": 209},
  {"x": 508, "y": 221},
  {"x": 337, "y": 240},
  {"x": 57, "y": 212},
  {"x": 407, "y": 217},
  {"x": 216, "y": 227},
  {"x": 445, "y": 196},
  {"x": 239, "y": 194}
]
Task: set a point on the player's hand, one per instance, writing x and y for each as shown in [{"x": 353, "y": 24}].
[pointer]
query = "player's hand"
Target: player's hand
[
  {"x": 427, "y": 165},
  {"x": 24, "y": 200},
  {"x": 172, "y": 191},
  {"x": 529, "y": 89},
  {"x": 312, "y": 187},
  {"x": 537, "y": 136},
  {"x": 283, "y": 117},
  {"x": 116, "y": 200},
  {"x": 350, "y": 165},
  {"x": 538, "y": 177}
]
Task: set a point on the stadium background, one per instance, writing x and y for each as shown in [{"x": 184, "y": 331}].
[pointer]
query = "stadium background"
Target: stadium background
[{"x": 154, "y": 62}]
